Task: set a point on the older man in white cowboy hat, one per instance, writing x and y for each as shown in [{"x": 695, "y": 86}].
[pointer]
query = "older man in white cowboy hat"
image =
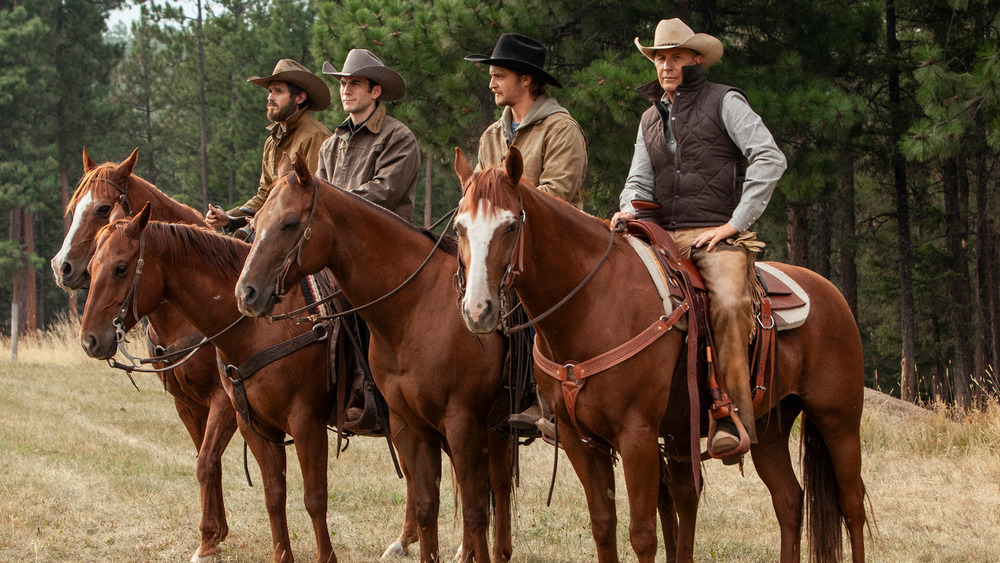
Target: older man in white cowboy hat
[
  {"x": 293, "y": 92},
  {"x": 370, "y": 153},
  {"x": 550, "y": 140},
  {"x": 705, "y": 167}
]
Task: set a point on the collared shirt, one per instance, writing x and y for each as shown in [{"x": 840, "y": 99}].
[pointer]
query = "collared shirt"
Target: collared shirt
[{"x": 748, "y": 133}]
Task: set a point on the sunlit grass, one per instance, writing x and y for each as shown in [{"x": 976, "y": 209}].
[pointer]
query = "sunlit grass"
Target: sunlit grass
[{"x": 93, "y": 470}]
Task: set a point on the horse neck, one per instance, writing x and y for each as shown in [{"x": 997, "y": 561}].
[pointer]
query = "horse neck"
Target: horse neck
[
  {"x": 373, "y": 252},
  {"x": 200, "y": 291},
  {"x": 562, "y": 246},
  {"x": 164, "y": 208}
]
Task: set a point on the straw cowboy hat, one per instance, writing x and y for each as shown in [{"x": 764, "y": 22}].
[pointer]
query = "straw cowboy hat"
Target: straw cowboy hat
[
  {"x": 519, "y": 53},
  {"x": 363, "y": 64},
  {"x": 292, "y": 72},
  {"x": 671, "y": 34}
]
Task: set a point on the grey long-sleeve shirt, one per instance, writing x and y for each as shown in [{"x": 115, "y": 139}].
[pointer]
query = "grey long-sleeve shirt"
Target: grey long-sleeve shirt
[{"x": 748, "y": 132}]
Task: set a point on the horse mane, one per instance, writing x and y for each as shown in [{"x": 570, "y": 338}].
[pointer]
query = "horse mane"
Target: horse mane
[
  {"x": 492, "y": 185},
  {"x": 98, "y": 183},
  {"x": 223, "y": 253}
]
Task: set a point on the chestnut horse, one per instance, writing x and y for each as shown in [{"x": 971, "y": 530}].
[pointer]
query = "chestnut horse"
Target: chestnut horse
[
  {"x": 443, "y": 385},
  {"x": 502, "y": 221},
  {"x": 194, "y": 270},
  {"x": 201, "y": 401}
]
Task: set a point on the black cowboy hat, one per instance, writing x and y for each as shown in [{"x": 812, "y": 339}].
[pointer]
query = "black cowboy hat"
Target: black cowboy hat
[{"x": 519, "y": 53}]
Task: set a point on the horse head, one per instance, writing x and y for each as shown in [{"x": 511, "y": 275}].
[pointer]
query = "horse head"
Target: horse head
[
  {"x": 490, "y": 226},
  {"x": 115, "y": 301},
  {"x": 278, "y": 258},
  {"x": 101, "y": 187}
]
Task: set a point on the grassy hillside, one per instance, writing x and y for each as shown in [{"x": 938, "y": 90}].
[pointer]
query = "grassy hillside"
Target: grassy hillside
[{"x": 92, "y": 470}]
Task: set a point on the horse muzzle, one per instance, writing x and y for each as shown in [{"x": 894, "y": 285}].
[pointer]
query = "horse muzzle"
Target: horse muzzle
[
  {"x": 97, "y": 346},
  {"x": 481, "y": 316},
  {"x": 253, "y": 301}
]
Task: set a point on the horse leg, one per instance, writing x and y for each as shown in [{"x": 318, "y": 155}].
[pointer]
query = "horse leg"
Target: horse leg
[
  {"x": 312, "y": 448},
  {"x": 685, "y": 501},
  {"x": 466, "y": 439},
  {"x": 594, "y": 469},
  {"x": 640, "y": 454},
  {"x": 773, "y": 463},
  {"x": 502, "y": 486},
  {"x": 270, "y": 458},
  {"x": 219, "y": 431},
  {"x": 420, "y": 457},
  {"x": 408, "y": 536}
]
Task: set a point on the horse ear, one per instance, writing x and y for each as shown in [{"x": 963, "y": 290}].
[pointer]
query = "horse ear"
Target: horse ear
[
  {"x": 461, "y": 166},
  {"x": 284, "y": 165},
  {"x": 514, "y": 164},
  {"x": 302, "y": 170},
  {"x": 139, "y": 222},
  {"x": 88, "y": 164},
  {"x": 124, "y": 169}
]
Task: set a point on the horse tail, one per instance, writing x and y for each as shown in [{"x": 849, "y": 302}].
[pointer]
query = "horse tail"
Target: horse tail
[{"x": 822, "y": 498}]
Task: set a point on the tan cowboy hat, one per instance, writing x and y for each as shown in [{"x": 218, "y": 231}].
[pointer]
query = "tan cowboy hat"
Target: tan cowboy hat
[
  {"x": 671, "y": 34},
  {"x": 363, "y": 64},
  {"x": 292, "y": 72}
]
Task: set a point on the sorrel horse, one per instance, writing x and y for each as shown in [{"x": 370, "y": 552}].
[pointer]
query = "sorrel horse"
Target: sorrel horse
[
  {"x": 443, "y": 385},
  {"x": 194, "y": 270},
  {"x": 502, "y": 221},
  {"x": 201, "y": 401}
]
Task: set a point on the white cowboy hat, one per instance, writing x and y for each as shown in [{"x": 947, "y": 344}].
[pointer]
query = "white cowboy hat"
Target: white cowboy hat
[
  {"x": 363, "y": 64},
  {"x": 292, "y": 72},
  {"x": 672, "y": 34}
]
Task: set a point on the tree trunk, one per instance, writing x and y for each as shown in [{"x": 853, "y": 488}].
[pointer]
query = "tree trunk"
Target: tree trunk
[
  {"x": 202, "y": 110},
  {"x": 30, "y": 285},
  {"x": 824, "y": 234},
  {"x": 908, "y": 379},
  {"x": 958, "y": 288},
  {"x": 848, "y": 264},
  {"x": 428, "y": 169},
  {"x": 798, "y": 234},
  {"x": 987, "y": 265}
]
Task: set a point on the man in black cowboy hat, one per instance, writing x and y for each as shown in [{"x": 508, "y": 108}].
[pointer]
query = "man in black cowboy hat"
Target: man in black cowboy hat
[
  {"x": 370, "y": 153},
  {"x": 705, "y": 167},
  {"x": 551, "y": 142},
  {"x": 293, "y": 92}
]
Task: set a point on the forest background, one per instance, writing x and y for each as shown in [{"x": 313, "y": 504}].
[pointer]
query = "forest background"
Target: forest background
[{"x": 888, "y": 111}]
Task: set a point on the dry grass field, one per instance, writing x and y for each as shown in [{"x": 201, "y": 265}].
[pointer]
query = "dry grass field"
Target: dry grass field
[{"x": 91, "y": 470}]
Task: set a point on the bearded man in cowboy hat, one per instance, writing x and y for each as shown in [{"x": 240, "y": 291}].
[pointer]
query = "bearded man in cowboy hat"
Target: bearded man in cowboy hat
[
  {"x": 371, "y": 153},
  {"x": 550, "y": 140},
  {"x": 293, "y": 92},
  {"x": 704, "y": 168}
]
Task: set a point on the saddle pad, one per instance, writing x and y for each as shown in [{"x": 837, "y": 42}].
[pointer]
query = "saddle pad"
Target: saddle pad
[
  {"x": 656, "y": 273},
  {"x": 789, "y": 302}
]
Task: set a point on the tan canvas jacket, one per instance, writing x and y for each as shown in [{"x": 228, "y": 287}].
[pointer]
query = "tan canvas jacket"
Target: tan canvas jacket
[
  {"x": 303, "y": 136},
  {"x": 552, "y": 144}
]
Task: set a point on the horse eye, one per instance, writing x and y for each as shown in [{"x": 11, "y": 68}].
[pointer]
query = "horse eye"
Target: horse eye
[
  {"x": 104, "y": 211},
  {"x": 120, "y": 270},
  {"x": 290, "y": 224},
  {"x": 511, "y": 227}
]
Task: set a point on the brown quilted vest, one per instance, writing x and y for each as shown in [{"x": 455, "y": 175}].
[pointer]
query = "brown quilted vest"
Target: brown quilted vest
[{"x": 702, "y": 182}]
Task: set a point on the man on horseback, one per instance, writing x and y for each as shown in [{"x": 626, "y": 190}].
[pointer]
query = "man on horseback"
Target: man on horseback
[
  {"x": 293, "y": 92},
  {"x": 376, "y": 157},
  {"x": 704, "y": 168},
  {"x": 550, "y": 140},
  {"x": 371, "y": 153}
]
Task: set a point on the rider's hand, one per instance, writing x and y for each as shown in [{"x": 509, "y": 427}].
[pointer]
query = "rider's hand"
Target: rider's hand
[
  {"x": 712, "y": 237},
  {"x": 619, "y": 218},
  {"x": 216, "y": 217}
]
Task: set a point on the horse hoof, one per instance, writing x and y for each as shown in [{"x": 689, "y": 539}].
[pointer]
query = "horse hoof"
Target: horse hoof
[
  {"x": 211, "y": 558},
  {"x": 397, "y": 549}
]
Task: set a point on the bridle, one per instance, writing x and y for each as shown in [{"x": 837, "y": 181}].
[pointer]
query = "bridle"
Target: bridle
[
  {"x": 515, "y": 266},
  {"x": 295, "y": 254},
  {"x": 122, "y": 191}
]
